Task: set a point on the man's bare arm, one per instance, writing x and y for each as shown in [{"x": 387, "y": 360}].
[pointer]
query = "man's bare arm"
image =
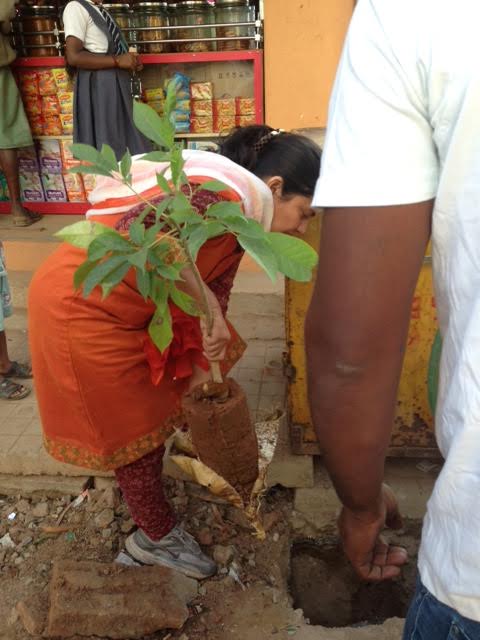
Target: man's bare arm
[{"x": 356, "y": 331}]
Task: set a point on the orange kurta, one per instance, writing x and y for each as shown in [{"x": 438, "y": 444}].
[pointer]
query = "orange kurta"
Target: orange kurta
[{"x": 98, "y": 405}]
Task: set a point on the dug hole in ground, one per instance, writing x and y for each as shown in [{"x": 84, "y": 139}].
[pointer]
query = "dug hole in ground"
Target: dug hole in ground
[{"x": 296, "y": 583}]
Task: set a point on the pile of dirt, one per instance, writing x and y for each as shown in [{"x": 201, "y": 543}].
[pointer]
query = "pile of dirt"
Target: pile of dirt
[
  {"x": 247, "y": 600},
  {"x": 324, "y": 585}
]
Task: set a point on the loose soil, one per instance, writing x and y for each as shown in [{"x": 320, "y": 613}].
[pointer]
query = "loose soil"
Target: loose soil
[
  {"x": 247, "y": 600},
  {"x": 324, "y": 585}
]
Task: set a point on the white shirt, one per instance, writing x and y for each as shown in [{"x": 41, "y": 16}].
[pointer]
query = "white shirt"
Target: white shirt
[
  {"x": 78, "y": 22},
  {"x": 404, "y": 127}
]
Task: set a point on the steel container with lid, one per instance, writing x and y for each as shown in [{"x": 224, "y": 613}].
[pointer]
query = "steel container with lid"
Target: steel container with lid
[
  {"x": 229, "y": 12},
  {"x": 122, "y": 15},
  {"x": 35, "y": 30},
  {"x": 148, "y": 16},
  {"x": 191, "y": 15}
]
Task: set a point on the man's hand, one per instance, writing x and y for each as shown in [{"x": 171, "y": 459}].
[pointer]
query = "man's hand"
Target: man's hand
[{"x": 371, "y": 556}]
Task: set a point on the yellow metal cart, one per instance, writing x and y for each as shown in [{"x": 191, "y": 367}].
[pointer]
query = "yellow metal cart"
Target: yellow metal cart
[{"x": 413, "y": 434}]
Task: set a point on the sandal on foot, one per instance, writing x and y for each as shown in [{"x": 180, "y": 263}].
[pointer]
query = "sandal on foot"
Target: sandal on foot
[
  {"x": 27, "y": 220},
  {"x": 12, "y": 391},
  {"x": 18, "y": 370}
]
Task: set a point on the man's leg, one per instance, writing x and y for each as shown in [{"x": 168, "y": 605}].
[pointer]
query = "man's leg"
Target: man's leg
[
  {"x": 9, "y": 164},
  {"x": 5, "y": 363}
]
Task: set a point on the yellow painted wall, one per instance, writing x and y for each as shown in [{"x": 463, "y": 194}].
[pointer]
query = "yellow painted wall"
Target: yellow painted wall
[{"x": 303, "y": 42}]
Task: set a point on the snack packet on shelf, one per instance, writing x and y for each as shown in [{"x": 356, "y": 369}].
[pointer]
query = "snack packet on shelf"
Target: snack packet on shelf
[
  {"x": 49, "y": 156},
  {"x": 46, "y": 83},
  {"x": 32, "y": 105},
  {"x": 37, "y": 125},
  {"x": 202, "y": 108},
  {"x": 28, "y": 160},
  {"x": 31, "y": 187},
  {"x": 65, "y": 100},
  {"x": 66, "y": 155},
  {"x": 203, "y": 145},
  {"x": 28, "y": 81},
  {"x": 152, "y": 95},
  {"x": 223, "y": 123},
  {"x": 201, "y": 91},
  {"x": 201, "y": 124},
  {"x": 62, "y": 80},
  {"x": 244, "y": 106},
  {"x": 183, "y": 105},
  {"x": 181, "y": 116},
  {"x": 67, "y": 123},
  {"x": 183, "y": 85},
  {"x": 54, "y": 187},
  {"x": 52, "y": 126},
  {"x": 182, "y": 127},
  {"x": 4, "y": 194},
  {"x": 224, "y": 107},
  {"x": 74, "y": 187},
  {"x": 89, "y": 183},
  {"x": 158, "y": 106},
  {"x": 50, "y": 106},
  {"x": 245, "y": 121}
]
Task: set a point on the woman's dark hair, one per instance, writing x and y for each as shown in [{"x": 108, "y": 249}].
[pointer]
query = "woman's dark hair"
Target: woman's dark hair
[{"x": 266, "y": 152}]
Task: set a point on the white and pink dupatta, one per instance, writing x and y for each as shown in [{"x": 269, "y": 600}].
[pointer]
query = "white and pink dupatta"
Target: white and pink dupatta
[{"x": 112, "y": 197}]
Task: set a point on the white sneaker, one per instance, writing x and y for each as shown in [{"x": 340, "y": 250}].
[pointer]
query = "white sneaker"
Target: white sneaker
[{"x": 178, "y": 550}]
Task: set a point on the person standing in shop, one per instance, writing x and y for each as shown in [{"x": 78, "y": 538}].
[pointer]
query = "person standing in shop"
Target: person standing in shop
[
  {"x": 103, "y": 103},
  {"x": 14, "y": 128}
]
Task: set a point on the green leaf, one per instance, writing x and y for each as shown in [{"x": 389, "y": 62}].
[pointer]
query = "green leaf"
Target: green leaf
[
  {"x": 162, "y": 207},
  {"x": 143, "y": 283},
  {"x": 176, "y": 165},
  {"x": 157, "y": 156},
  {"x": 201, "y": 234},
  {"x": 160, "y": 329},
  {"x": 224, "y": 209},
  {"x": 159, "y": 130},
  {"x": 169, "y": 271},
  {"x": 163, "y": 183},
  {"x": 213, "y": 185},
  {"x": 182, "y": 210},
  {"x": 81, "y": 234},
  {"x": 100, "y": 273},
  {"x": 98, "y": 165},
  {"x": 137, "y": 232},
  {"x": 243, "y": 226},
  {"x": 261, "y": 251},
  {"x": 184, "y": 301},
  {"x": 114, "y": 278},
  {"x": 295, "y": 258},
  {"x": 160, "y": 293},
  {"x": 152, "y": 233},
  {"x": 112, "y": 241},
  {"x": 84, "y": 152},
  {"x": 126, "y": 166},
  {"x": 108, "y": 157},
  {"x": 139, "y": 258},
  {"x": 144, "y": 214},
  {"x": 156, "y": 256},
  {"x": 186, "y": 216},
  {"x": 171, "y": 97},
  {"x": 82, "y": 272}
]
